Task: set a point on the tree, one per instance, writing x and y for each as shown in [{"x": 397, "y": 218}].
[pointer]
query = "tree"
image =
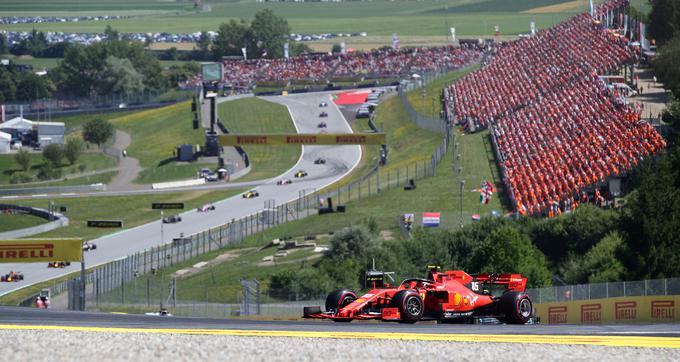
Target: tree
[
  {"x": 31, "y": 87},
  {"x": 74, "y": 148},
  {"x": 204, "y": 43},
  {"x": 666, "y": 65},
  {"x": 507, "y": 250},
  {"x": 53, "y": 154},
  {"x": 299, "y": 48},
  {"x": 97, "y": 131},
  {"x": 120, "y": 77},
  {"x": 8, "y": 88},
  {"x": 23, "y": 159},
  {"x": 111, "y": 33},
  {"x": 270, "y": 33},
  {"x": 231, "y": 37},
  {"x": 4, "y": 45},
  {"x": 599, "y": 264},
  {"x": 664, "y": 20},
  {"x": 652, "y": 219},
  {"x": 351, "y": 242},
  {"x": 337, "y": 48}
]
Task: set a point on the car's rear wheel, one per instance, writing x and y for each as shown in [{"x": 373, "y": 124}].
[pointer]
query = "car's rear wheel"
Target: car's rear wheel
[
  {"x": 516, "y": 307},
  {"x": 410, "y": 305},
  {"x": 339, "y": 299}
]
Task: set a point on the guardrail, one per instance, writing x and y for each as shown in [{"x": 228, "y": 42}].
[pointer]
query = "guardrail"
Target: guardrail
[{"x": 55, "y": 220}]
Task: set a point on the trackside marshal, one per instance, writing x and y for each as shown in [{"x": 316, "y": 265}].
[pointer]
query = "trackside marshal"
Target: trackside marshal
[{"x": 41, "y": 250}]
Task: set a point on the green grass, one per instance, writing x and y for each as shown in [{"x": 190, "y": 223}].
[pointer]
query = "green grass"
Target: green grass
[
  {"x": 155, "y": 134},
  {"x": 132, "y": 210},
  {"x": 255, "y": 115},
  {"x": 91, "y": 160},
  {"x": 437, "y": 194},
  {"x": 428, "y": 17},
  {"x": 104, "y": 177},
  {"x": 10, "y": 222},
  {"x": 422, "y": 101}
]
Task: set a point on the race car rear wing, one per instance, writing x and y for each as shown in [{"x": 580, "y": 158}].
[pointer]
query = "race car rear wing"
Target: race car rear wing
[{"x": 514, "y": 281}]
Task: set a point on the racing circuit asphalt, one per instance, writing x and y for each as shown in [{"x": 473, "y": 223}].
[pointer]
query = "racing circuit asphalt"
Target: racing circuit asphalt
[{"x": 304, "y": 110}]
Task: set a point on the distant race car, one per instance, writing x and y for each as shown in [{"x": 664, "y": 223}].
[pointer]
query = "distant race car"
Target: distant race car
[
  {"x": 323, "y": 104},
  {"x": 323, "y": 114},
  {"x": 251, "y": 194},
  {"x": 284, "y": 181},
  {"x": 450, "y": 295},
  {"x": 89, "y": 246},
  {"x": 301, "y": 173},
  {"x": 322, "y": 125},
  {"x": 206, "y": 208},
  {"x": 320, "y": 161},
  {"x": 160, "y": 313},
  {"x": 58, "y": 264},
  {"x": 172, "y": 219},
  {"x": 12, "y": 277}
]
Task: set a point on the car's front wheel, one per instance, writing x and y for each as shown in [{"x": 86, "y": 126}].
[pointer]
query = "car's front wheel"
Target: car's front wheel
[
  {"x": 339, "y": 299},
  {"x": 410, "y": 305}
]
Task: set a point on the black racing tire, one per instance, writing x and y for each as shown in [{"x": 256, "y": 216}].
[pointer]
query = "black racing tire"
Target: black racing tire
[
  {"x": 516, "y": 307},
  {"x": 339, "y": 299},
  {"x": 411, "y": 306}
]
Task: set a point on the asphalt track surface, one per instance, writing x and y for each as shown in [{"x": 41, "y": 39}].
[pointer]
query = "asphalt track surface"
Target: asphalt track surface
[
  {"x": 637, "y": 335},
  {"x": 304, "y": 109}
]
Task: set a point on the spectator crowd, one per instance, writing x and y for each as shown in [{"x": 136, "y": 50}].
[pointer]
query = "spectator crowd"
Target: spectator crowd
[
  {"x": 372, "y": 64},
  {"x": 557, "y": 127}
]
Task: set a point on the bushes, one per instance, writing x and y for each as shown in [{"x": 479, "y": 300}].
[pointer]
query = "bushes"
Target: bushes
[{"x": 20, "y": 178}]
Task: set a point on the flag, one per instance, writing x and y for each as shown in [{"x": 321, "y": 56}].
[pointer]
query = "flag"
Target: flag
[
  {"x": 431, "y": 219},
  {"x": 395, "y": 41},
  {"x": 485, "y": 192},
  {"x": 243, "y": 50},
  {"x": 3, "y": 113},
  {"x": 497, "y": 30},
  {"x": 285, "y": 50},
  {"x": 476, "y": 217},
  {"x": 592, "y": 9},
  {"x": 343, "y": 47},
  {"x": 453, "y": 35},
  {"x": 533, "y": 27}
]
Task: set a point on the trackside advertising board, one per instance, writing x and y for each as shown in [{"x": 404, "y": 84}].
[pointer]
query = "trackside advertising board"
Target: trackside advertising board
[
  {"x": 650, "y": 309},
  {"x": 431, "y": 219},
  {"x": 303, "y": 139},
  {"x": 41, "y": 250}
]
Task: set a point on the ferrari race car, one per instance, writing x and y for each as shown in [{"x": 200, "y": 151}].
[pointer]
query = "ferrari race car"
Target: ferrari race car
[
  {"x": 322, "y": 125},
  {"x": 301, "y": 173},
  {"x": 89, "y": 246},
  {"x": 206, "y": 208},
  {"x": 11, "y": 277},
  {"x": 284, "y": 181},
  {"x": 323, "y": 114},
  {"x": 320, "y": 161},
  {"x": 58, "y": 264},
  {"x": 250, "y": 194},
  {"x": 172, "y": 219},
  {"x": 323, "y": 104},
  {"x": 451, "y": 295}
]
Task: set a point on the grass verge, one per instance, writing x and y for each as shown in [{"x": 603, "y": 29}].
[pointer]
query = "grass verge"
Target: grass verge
[
  {"x": 255, "y": 115},
  {"x": 89, "y": 161},
  {"x": 10, "y": 222}
]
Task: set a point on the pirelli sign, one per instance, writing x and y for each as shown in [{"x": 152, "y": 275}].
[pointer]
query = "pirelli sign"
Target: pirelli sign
[
  {"x": 41, "y": 250},
  {"x": 302, "y": 139}
]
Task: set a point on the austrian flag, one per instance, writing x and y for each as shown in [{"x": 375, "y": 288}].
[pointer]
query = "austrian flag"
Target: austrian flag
[{"x": 431, "y": 219}]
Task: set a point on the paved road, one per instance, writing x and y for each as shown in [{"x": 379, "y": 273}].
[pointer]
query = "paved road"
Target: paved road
[
  {"x": 304, "y": 109},
  {"x": 32, "y": 316},
  {"x": 128, "y": 166}
]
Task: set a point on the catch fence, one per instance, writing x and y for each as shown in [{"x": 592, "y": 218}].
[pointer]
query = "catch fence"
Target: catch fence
[{"x": 656, "y": 287}]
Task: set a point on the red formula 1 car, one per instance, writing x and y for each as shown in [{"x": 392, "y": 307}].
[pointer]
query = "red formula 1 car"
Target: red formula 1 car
[
  {"x": 12, "y": 277},
  {"x": 451, "y": 295}
]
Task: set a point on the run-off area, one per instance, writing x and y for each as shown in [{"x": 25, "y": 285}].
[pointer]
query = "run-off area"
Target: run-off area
[{"x": 46, "y": 345}]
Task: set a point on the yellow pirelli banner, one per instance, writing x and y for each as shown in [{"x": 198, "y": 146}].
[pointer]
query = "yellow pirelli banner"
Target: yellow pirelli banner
[
  {"x": 654, "y": 309},
  {"x": 38, "y": 250},
  {"x": 303, "y": 139}
]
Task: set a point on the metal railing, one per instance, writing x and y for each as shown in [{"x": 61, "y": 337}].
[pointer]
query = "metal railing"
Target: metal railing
[{"x": 670, "y": 286}]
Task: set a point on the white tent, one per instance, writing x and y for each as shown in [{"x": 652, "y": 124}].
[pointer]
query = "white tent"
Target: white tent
[
  {"x": 5, "y": 140},
  {"x": 18, "y": 123}
]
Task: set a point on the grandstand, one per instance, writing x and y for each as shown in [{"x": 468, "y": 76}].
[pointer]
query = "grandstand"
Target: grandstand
[{"x": 557, "y": 128}]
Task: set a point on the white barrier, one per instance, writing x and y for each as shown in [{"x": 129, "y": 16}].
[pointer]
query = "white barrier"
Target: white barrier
[{"x": 173, "y": 184}]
